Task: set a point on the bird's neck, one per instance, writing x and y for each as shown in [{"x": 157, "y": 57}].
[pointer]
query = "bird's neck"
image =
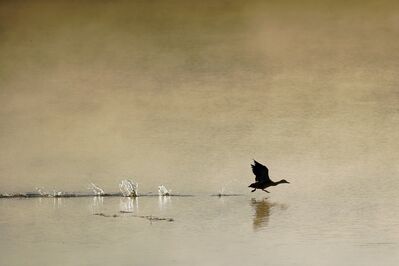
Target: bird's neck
[{"x": 278, "y": 182}]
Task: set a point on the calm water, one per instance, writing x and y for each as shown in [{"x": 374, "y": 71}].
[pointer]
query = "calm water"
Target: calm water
[{"x": 206, "y": 231}]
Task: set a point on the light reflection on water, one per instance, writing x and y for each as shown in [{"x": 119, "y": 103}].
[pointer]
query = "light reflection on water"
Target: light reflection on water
[
  {"x": 97, "y": 204},
  {"x": 57, "y": 203},
  {"x": 129, "y": 204},
  {"x": 164, "y": 202}
]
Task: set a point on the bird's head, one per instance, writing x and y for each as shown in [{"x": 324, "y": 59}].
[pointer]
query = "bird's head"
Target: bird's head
[{"x": 284, "y": 181}]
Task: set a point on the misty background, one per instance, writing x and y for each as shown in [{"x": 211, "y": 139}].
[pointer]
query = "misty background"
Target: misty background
[{"x": 187, "y": 93}]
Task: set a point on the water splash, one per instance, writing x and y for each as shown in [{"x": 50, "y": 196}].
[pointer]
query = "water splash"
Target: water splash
[
  {"x": 96, "y": 190},
  {"x": 163, "y": 191},
  {"x": 42, "y": 192},
  {"x": 128, "y": 188},
  {"x": 58, "y": 193}
]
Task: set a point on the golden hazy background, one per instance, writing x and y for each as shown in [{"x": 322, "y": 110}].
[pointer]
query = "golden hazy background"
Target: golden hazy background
[{"x": 187, "y": 93}]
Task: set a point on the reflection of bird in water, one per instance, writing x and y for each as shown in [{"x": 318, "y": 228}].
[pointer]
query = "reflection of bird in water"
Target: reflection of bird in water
[
  {"x": 262, "y": 212},
  {"x": 262, "y": 178}
]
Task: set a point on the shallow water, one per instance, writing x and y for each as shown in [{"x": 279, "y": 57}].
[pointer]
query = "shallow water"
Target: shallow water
[{"x": 206, "y": 231}]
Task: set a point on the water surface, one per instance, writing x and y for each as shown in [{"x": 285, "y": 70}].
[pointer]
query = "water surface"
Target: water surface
[{"x": 205, "y": 231}]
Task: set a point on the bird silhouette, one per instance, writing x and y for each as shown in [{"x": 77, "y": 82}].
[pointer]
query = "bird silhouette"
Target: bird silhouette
[{"x": 262, "y": 178}]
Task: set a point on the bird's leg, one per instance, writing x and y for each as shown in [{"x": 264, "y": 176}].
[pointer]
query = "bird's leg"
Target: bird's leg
[
  {"x": 253, "y": 190},
  {"x": 265, "y": 190}
]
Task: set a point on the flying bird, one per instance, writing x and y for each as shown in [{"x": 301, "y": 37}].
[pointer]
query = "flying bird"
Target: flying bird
[{"x": 262, "y": 179}]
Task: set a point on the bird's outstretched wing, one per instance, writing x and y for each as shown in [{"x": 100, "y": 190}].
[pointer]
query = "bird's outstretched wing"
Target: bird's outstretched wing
[{"x": 260, "y": 171}]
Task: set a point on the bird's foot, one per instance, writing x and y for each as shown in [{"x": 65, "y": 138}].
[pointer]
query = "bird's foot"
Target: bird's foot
[{"x": 265, "y": 190}]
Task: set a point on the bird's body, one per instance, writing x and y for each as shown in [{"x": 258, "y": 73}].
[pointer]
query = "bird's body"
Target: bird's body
[{"x": 262, "y": 179}]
